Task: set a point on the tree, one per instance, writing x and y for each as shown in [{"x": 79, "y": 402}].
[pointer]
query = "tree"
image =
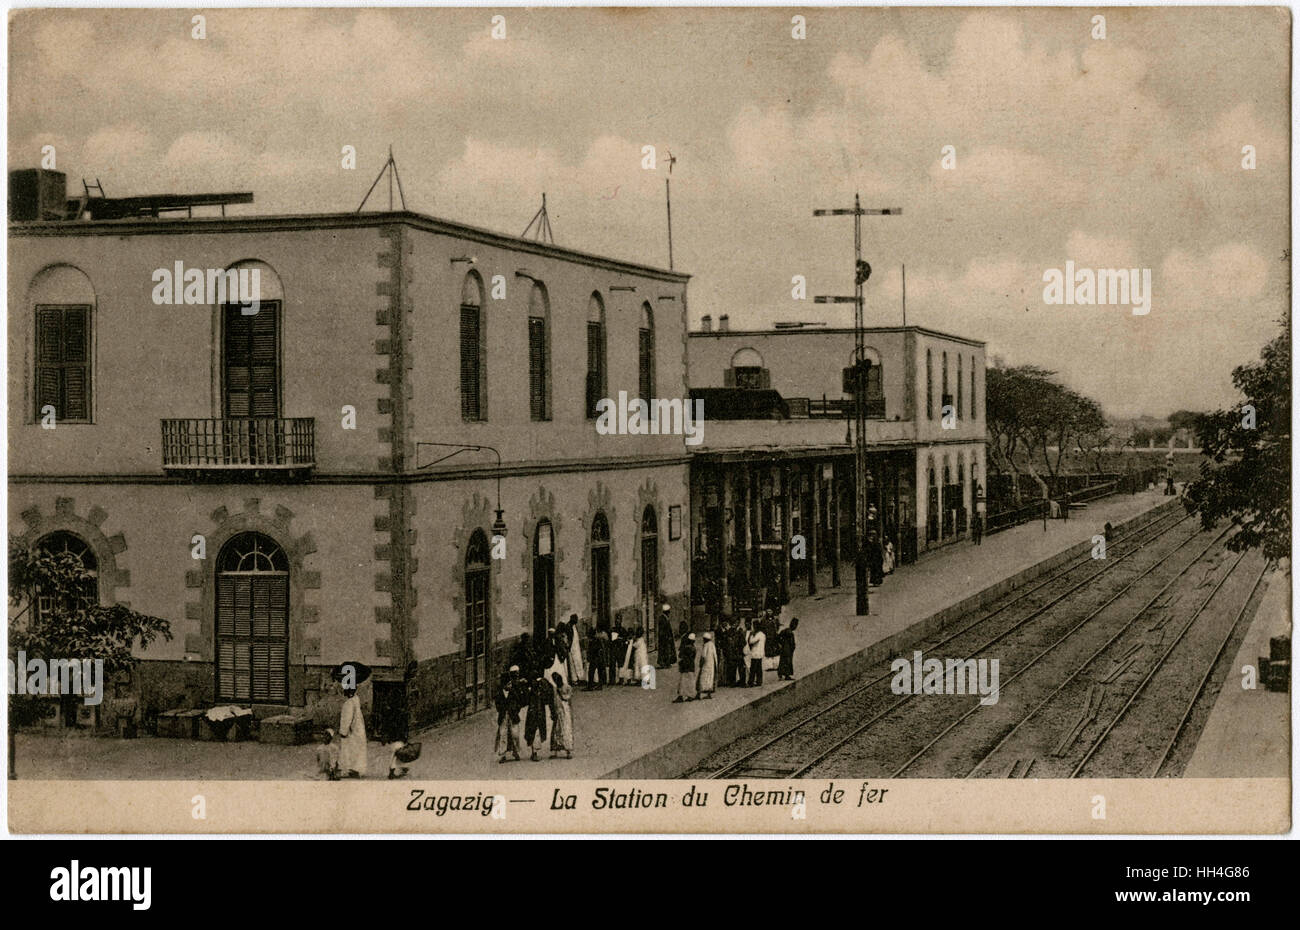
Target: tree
[
  {"x": 1184, "y": 419},
  {"x": 1247, "y": 475},
  {"x": 1034, "y": 419},
  {"x": 58, "y": 617}
]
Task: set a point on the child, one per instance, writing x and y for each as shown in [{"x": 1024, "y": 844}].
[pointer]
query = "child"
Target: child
[{"x": 327, "y": 757}]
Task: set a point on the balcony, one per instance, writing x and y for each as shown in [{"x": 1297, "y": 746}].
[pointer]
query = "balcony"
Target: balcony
[{"x": 239, "y": 444}]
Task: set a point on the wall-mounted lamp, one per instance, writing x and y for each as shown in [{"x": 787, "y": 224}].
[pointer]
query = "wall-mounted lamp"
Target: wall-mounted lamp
[
  {"x": 499, "y": 524},
  {"x": 623, "y": 287},
  {"x": 667, "y": 297}
]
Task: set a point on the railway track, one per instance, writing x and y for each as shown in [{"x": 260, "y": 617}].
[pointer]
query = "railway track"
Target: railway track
[
  {"x": 941, "y": 727},
  {"x": 771, "y": 755}
]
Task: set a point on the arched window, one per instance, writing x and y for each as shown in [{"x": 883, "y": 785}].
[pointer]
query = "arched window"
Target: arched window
[
  {"x": 250, "y": 346},
  {"x": 649, "y": 587},
  {"x": 473, "y": 349},
  {"x": 929, "y": 384},
  {"x": 543, "y": 580},
  {"x": 252, "y": 628},
  {"x": 960, "y": 391},
  {"x": 68, "y": 545},
  {"x": 596, "y": 376},
  {"x": 646, "y": 353},
  {"x": 944, "y": 397},
  {"x": 539, "y": 354},
  {"x": 961, "y": 490},
  {"x": 747, "y": 370},
  {"x": 600, "y": 603},
  {"x": 931, "y": 505},
  {"x": 63, "y": 301},
  {"x": 478, "y": 576}
]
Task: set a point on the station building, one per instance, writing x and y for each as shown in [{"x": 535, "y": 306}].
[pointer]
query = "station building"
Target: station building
[
  {"x": 321, "y": 481},
  {"x": 777, "y": 461}
]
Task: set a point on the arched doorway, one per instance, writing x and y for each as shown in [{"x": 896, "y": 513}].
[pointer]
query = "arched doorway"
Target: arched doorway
[
  {"x": 478, "y": 577},
  {"x": 50, "y": 607},
  {"x": 252, "y": 628},
  {"x": 600, "y": 606},
  {"x": 649, "y": 599},
  {"x": 543, "y": 580}
]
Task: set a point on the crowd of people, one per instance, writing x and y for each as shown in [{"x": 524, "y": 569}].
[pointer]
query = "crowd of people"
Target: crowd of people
[{"x": 534, "y": 696}]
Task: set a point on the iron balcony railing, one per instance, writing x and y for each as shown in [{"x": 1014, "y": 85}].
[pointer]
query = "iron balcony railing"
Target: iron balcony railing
[
  {"x": 820, "y": 408},
  {"x": 239, "y": 443}
]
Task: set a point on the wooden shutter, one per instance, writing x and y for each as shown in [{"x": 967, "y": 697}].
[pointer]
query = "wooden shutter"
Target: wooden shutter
[
  {"x": 253, "y": 638},
  {"x": 646, "y": 363},
  {"x": 63, "y": 361},
  {"x": 595, "y": 366},
  {"x": 537, "y": 368},
  {"x": 470, "y": 407},
  {"x": 252, "y": 385}
]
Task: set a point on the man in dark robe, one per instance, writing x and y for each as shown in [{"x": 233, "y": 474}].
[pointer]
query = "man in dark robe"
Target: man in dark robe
[
  {"x": 597, "y": 660},
  {"x": 664, "y": 633},
  {"x": 539, "y": 705},
  {"x": 785, "y": 648}
]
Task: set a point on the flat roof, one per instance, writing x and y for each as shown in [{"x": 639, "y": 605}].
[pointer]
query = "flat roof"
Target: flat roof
[
  {"x": 301, "y": 221},
  {"x": 834, "y": 330}
]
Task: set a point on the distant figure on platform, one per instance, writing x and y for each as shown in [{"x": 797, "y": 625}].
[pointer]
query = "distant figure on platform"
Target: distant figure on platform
[
  {"x": 664, "y": 630},
  {"x": 785, "y": 648},
  {"x": 327, "y": 756},
  {"x": 875, "y": 558},
  {"x": 539, "y": 705},
  {"x": 888, "y": 565},
  {"x": 352, "y": 735},
  {"x": 739, "y": 653},
  {"x": 724, "y": 652},
  {"x": 757, "y": 646},
  {"x": 686, "y": 666},
  {"x": 615, "y": 653},
  {"x": 577, "y": 670},
  {"x": 627, "y": 667},
  {"x": 771, "y": 626},
  {"x": 706, "y": 668},
  {"x": 510, "y": 699},
  {"x": 597, "y": 660},
  {"x": 1107, "y": 532},
  {"x": 561, "y": 718},
  {"x": 640, "y": 656}
]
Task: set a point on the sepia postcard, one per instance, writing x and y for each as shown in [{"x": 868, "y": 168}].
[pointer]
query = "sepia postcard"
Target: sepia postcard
[{"x": 649, "y": 420}]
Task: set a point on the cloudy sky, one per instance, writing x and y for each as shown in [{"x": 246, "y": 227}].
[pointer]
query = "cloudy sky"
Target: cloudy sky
[{"x": 1123, "y": 152}]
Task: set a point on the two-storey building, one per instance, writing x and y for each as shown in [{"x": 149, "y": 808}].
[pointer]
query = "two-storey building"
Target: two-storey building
[
  {"x": 394, "y": 460},
  {"x": 777, "y": 460}
]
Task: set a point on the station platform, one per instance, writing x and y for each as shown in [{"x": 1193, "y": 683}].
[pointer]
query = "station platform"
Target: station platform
[
  {"x": 1248, "y": 733},
  {"x": 630, "y": 732}
]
